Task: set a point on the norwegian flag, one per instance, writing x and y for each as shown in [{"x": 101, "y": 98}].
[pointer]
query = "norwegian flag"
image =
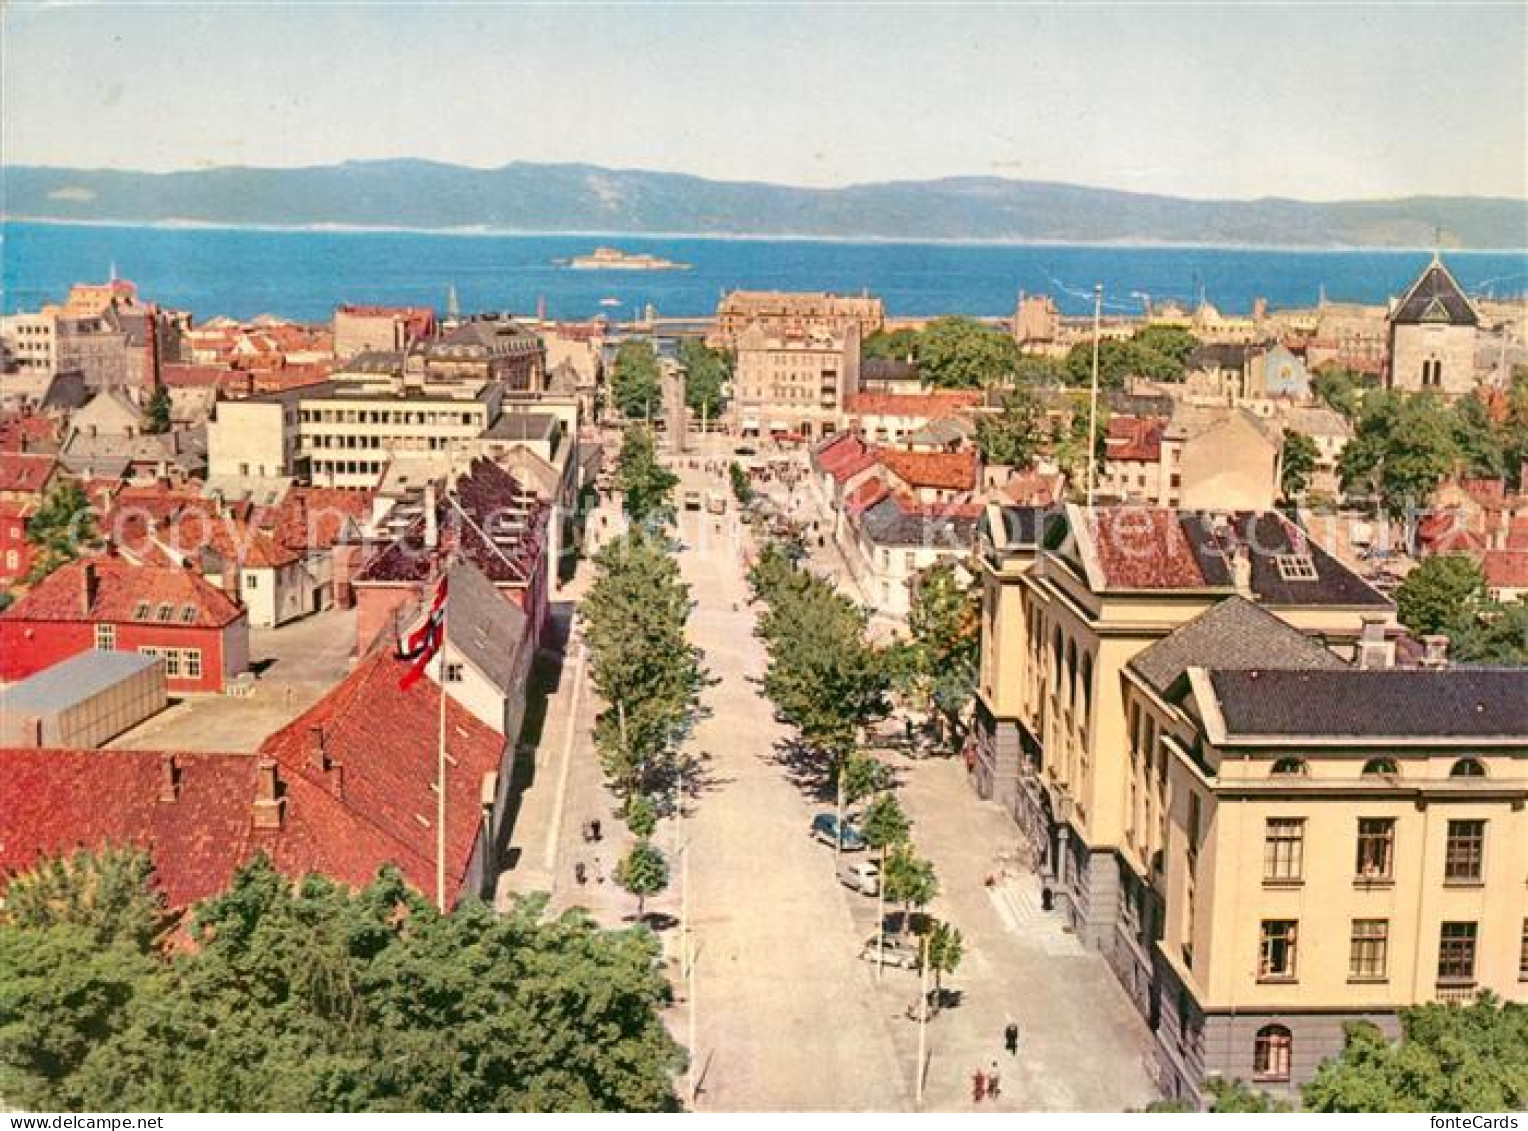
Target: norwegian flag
[{"x": 423, "y": 643}]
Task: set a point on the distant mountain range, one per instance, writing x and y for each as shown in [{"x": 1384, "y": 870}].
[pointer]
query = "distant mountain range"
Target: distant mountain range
[{"x": 526, "y": 197}]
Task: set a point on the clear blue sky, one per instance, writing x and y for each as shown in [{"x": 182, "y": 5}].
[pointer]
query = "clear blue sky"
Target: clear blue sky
[{"x": 1316, "y": 101}]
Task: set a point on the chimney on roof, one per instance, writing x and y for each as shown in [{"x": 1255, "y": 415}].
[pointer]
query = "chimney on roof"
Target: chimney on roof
[
  {"x": 169, "y": 778},
  {"x": 431, "y": 524},
  {"x": 1374, "y": 651},
  {"x": 1241, "y": 568},
  {"x": 1435, "y": 651},
  {"x": 318, "y": 749},
  {"x": 89, "y": 586},
  {"x": 269, "y": 807}
]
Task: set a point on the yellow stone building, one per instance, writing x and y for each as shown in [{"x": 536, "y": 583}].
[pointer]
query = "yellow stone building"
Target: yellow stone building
[{"x": 1195, "y": 723}]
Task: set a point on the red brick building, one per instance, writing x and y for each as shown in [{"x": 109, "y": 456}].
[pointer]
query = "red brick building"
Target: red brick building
[
  {"x": 15, "y": 550},
  {"x": 111, "y": 604}
]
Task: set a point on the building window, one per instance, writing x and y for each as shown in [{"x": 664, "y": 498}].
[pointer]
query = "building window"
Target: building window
[
  {"x": 1464, "y": 853},
  {"x": 1271, "y": 1053},
  {"x": 1376, "y": 848},
  {"x": 105, "y": 637},
  {"x": 1276, "y": 955},
  {"x": 1522, "y": 955},
  {"x": 193, "y": 657},
  {"x": 188, "y": 614},
  {"x": 164, "y": 612},
  {"x": 1456, "y": 952},
  {"x": 1290, "y": 767},
  {"x": 141, "y": 611},
  {"x": 1295, "y": 567},
  {"x": 1284, "y": 849},
  {"x": 1467, "y": 768},
  {"x": 1381, "y": 767},
  {"x": 251, "y": 580},
  {"x": 172, "y": 663},
  {"x": 453, "y": 673},
  {"x": 1369, "y": 950}
]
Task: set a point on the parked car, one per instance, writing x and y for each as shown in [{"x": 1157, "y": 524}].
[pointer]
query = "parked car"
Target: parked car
[
  {"x": 825, "y": 828},
  {"x": 896, "y": 950},
  {"x": 863, "y": 876}
]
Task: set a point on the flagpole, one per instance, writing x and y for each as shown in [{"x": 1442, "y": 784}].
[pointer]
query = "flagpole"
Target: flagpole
[{"x": 440, "y": 773}]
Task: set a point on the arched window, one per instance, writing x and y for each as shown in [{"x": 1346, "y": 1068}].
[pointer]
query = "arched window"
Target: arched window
[
  {"x": 1056, "y": 670},
  {"x": 1290, "y": 767},
  {"x": 1087, "y": 686},
  {"x": 1071, "y": 673},
  {"x": 1384, "y": 767},
  {"x": 1468, "y": 768},
  {"x": 1271, "y": 1053}
]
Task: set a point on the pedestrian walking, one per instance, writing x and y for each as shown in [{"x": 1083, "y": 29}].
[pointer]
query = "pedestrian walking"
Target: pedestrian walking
[
  {"x": 978, "y": 1086},
  {"x": 599, "y": 870},
  {"x": 594, "y": 827},
  {"x": 1011, "y": 1038},
  {"x": 580, "y": 874},
  {"x": 994, "y": 1088}
]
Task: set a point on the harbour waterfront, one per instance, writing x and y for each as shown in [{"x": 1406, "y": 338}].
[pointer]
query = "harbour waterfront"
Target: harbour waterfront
[{"x": 303, "y": 274}]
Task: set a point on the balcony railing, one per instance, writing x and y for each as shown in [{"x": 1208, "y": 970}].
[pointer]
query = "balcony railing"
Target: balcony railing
[{"x": 1461, "y": 993}]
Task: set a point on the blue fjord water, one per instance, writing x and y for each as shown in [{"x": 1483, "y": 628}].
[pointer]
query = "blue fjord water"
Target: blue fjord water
[{"x": 302, "y": 275}]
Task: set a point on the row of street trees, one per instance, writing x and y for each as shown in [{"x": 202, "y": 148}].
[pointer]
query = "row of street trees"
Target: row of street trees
[
  {"x": 636, "y": 379},
  {"x": 828, "y": 681},
  {"x": 308, "y": 996}
]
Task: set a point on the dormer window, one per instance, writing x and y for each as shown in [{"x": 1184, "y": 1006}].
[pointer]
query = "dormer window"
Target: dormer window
[
  {"x": 1381, "y": 767},
  {"x": 1295, "y": 567},
  {"x": 1290, "y": 767},
  {"x": 1467, "y": 768},
  {"x": 187, "y": 614},
  {"x": 141, "y": 611},
  {"x": 165, "y": 613}
]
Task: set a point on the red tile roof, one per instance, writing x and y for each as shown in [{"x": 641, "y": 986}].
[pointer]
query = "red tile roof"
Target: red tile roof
[
  {"x": 866, "y": 495},
  {"x": 57, "y": 801},
  {"x": 20, "y": 472},
  {"x": 1447, "y": 532},
  {"x": 1035, "y": 488},
  {"x": 376, "y": 803},
  {"x": 1140, "y": 548},
  {"x": 923, "y": 406},
  {"x": 189, "y": 532},
  {"x": 945, "y": 471},
  {"x": 117, "y": 588},
  {"x": 19, "y": 432},
  {"x": 1135, "y": 438},
  {"x": 315, "y": 518},
  {"x": 843, "y": 457},
  {"x": 1517, "y": 534},
  {"x": 372, "y": 803},
  {"x": 1506, "y": 569}
]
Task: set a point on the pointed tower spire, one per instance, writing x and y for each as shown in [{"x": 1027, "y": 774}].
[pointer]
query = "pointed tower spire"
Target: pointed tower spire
[
  {"x": 453, "y": 311},
  {"x": 112, "y": 277}
]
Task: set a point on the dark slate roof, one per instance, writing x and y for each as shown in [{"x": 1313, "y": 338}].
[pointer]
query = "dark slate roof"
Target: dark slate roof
[
  {"x": 1435, "y": 298},
  {"x": 1390, "y": 703},
  {"x": 1022, "y": 526},
  {"x": 67, "y": 392},
  {"x": 1233, "y": 634},
  {"x": 1220, "y": 355},
  {"x": 523, "y": 426},
  {"x": 891, "y": 523},
  {"x": 485, "y": 626},
  {"x": 888, "y": 369},
  {"x": 1269, "y": 536}
]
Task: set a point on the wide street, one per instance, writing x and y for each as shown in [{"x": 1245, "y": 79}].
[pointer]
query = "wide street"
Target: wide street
[{"x": 786, "y": 1015}]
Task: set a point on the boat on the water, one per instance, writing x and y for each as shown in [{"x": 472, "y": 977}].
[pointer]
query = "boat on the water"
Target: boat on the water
[{"x": 614, "y": 259}]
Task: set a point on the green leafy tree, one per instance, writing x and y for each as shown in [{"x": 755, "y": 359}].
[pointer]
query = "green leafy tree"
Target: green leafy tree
[
  {"x": 158, "y": 416},
  {"x": 707, "y": 372},
  {"x": 1341, "y": 390},
  {"x": 309, "y": 996},
  {"x": 1480, "y": 438},
  {"x": 647, "y": 486},
  {"x": 1012, "y": 436},
  {"x": 108, "y": 894},
  {"x": 1494, "y": 633},
  {"x": 1174, "y": 343},
  {"x": 862, "y": 776},
  {"x": 1299, "y": 463},
  {"x": 1402, "y": 448},
  {"x": 62, "y": 529},
  {"x": 641, "y": 661},
  {"x": 890, "y": 345},
  {"x": 1069, "y": 441},
  {"x": 962, "y": 353},
  {"x": 1450, "y": 1058},
  {"x": 635, "y": 380},
  {"x": 1157, "y": 353},
  {"x": 644, "y": 873},
  {"x": 946, "y": 947},
  {"x": 1038, "y": 372},
  {"x": 742, "y": 489},
  {"x": 1438, "y": 592},
  {"x": 641, "y": 816},
  {"x": 1236, "y": 1096},
  {"x": 909, "y": 879},
  {"x": 944, "y": 621}
]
